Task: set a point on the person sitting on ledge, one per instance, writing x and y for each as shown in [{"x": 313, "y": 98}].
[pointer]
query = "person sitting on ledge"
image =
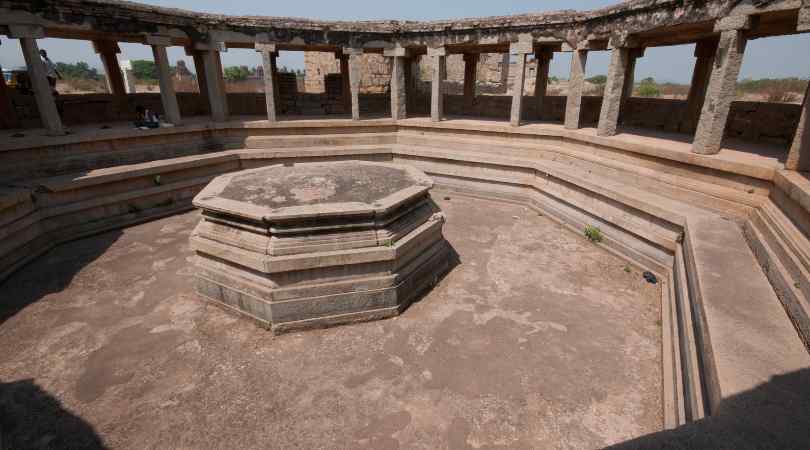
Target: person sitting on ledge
[{"x": 146, "y": 118}]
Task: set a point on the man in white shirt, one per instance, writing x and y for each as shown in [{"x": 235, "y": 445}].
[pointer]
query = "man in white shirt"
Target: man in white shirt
[{"x": 50, "y": 69}]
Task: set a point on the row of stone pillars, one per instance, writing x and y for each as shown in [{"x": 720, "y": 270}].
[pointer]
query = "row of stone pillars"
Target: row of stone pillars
[{"x": 206, "y": 59}]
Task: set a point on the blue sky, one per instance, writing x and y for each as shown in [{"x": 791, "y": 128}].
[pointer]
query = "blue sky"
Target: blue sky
[{"x": 772, "y": 57}]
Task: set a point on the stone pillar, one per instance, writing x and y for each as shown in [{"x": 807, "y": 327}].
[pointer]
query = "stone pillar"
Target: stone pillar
[
  {"x": 520, "y": 49},
  {"x": 171, "y": 110},
  {"x": 214, "y": 84},
  {"x": 108, "y": 51},
  {"x": 543, "y": 61},
  {"x": 614, "y": 87},
  {"x": 199, "y": 68},
  {"x": 633, "y": 55},
  {"x": 129, "y": 76},
  {"x": 399, "y": 96},
  {"x": 722, "y": 85},
  {"x": 411, "y": 72},
  {"x": 439, "y": 59},
  {"x": 355, "y": 54},
  {"x": 704, "y": 52},
  {"x": 8, "y": 116},
  {"x": 48, "y": 113},
  {"x": 269, "y": 55},
  {"x": 799, "y": 154},
  {"x": 576, "y": 81},
  {"x": 346, "y": 89},
  {"x": 470, "y": 74}
]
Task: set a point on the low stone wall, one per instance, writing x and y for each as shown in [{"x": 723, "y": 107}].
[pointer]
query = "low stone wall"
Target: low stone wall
[{"x": 749, "y": 121}]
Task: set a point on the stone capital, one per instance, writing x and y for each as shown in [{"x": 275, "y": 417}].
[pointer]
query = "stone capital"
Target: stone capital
[
  {"x": 102, "y": 47},
  {"x": 161, "y": 41},
  {"x": 803, "y": 24},
  {"x": 26, "y": 31},
  {"x": 622, "y": 40},
  {"x": 732, "y": 23},
  {"x": 521, "y": 48},
  {"x": 437, "y": 51},
  {"x": 352, "y": 51},
  {"x": 396, "y": 51},
  {"x": 210, "y": 46},
  {"x": 265, "y": 47}
]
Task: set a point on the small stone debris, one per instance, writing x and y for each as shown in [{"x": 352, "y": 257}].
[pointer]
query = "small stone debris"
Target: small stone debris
[
  {"x": 650, "y": 277},
  {"x": 446, "y": 197},
  {"x": 515, "y": 217}
]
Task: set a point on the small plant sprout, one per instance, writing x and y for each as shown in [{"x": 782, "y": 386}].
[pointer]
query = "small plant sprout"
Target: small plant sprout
[
  {"x": 388, "y": 243},
  {"x": 157, "y": 180},
  {"x": 627, "y": 269},
  {"x": 594, "y": 234}
]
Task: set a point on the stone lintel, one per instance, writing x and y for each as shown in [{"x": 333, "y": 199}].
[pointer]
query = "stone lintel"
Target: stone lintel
[
  {"x": 26, "y": 31},
  {"x": 106, "y": 46},
  {"x": 623, "y": 40},
  {"x": 350, "y": 51},
  {"x": 437, "y": 51},
  {"x": 803, "y": 24},
  {"x": 262, "y": 47},
  {"x": 161, "y": 41},
  {"x": 733, "y": 23}
]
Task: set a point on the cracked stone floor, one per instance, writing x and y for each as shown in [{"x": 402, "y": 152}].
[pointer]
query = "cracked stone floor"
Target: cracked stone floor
[{"x": 537, "y": 339}]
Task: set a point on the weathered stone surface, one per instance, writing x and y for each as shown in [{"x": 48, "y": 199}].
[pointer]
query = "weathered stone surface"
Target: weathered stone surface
[
  {"x": 317, "y": 244},
  {"x": 614, "y": 88},
  {"x": 576, "y": 83}
]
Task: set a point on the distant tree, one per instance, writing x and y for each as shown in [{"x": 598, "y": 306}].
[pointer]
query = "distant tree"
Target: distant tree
[
  {"x": 553, "y": 79},
  {"x": 597, "y": 79},
  {"x": 78, "y": 71},
  {"x": 236, "y": 73},
  {"x": 144, "y": 69},
  {"x": 648, "y": 88}
]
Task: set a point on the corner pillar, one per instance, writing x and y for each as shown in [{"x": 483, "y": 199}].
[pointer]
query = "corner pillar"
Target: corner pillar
[
  {"x": 520, "y": 49},
  {"x": 399, "y": 89},
  {"x": 614, "y": 88},
  {"x": 576, "y": 81},
  {"x": 439, "y": 59},
  {"x": 722, "y": 85},
  {"x": 543, "y": 61},
  {"x": 108, "y": 51},
  {"x": 269, "y": 55},
  {"x": 354, "y": 79},
  {"x": 704, "y": 54},
  {"x": 799, "y": 155},
  {"x": 167, "y": 95},
  {"x": 48, "y": 113},
  {"x": 470, "y": 74}
]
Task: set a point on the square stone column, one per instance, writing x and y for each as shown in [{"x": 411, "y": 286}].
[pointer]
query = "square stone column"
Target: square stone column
[
  {"x": 108, "y": 51},
  {"x": 799, "y": 154},
  {"x": 399, "y": 96},
  {"x": 48, "y": 113},
  {"x": 519, "y": 49},
  {"x": 439, "y": 57},
  {"x": 214, "y": 83},
  {"x": 354, "y": 78},
  {"x": 543, "y": 61},
  {"x": 346, "y": 88},
  {"x": 470, "y": 75},
  {"x": 629, "y": 77},
  {"x": 576, "y": 81},
  {"x": 704, "y": 52},
  {"x": 199, "y": 68},
  {"x": 614, "y": 87},
  {"x": 171, "y": 109},
  {"x": 722, "y": 85},
  {"x": 269, "y": 54}
]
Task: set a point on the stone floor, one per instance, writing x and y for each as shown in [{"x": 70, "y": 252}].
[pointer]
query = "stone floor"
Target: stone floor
[{"x": 536, "y": 339}]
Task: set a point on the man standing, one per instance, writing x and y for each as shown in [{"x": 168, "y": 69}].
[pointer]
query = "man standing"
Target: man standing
[{"x": 50, "y": 68}]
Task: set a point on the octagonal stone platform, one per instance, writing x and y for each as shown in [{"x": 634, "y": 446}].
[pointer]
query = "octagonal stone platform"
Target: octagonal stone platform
[{"x": 317, "y": 244}]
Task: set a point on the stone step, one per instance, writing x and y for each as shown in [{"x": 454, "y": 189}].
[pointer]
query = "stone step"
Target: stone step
[
  {"x": 780, "y": 249},
  {"x": 319, "y": 140},
  {"x": 697, "y": 188},
  {"x": 745, "y": 336}
]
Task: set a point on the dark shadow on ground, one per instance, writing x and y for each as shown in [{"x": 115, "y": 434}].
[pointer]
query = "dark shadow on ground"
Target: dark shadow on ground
[
  {"x": 45, "y": 275},
  {"x": 31, "y": 418},
  {"x": 774, "y": 415}
]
